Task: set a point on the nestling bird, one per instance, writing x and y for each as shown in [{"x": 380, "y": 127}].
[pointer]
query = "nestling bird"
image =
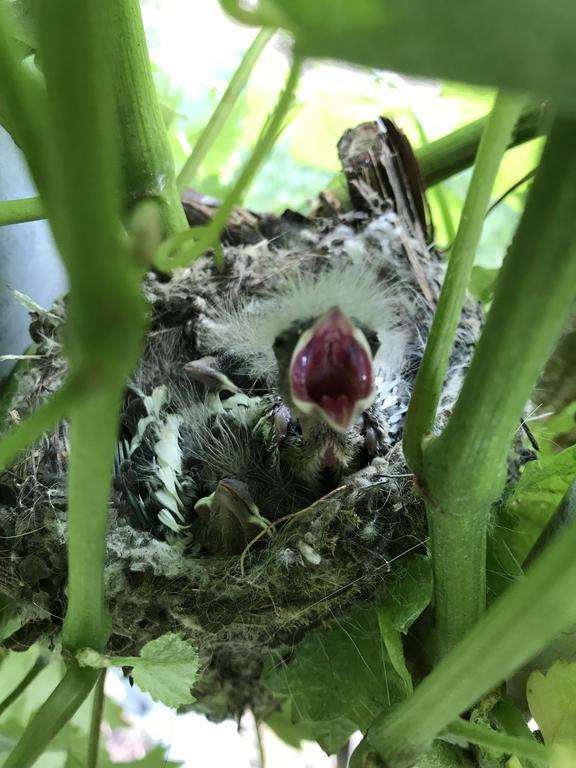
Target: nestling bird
[
  {"x": 286, "y": 374},
  {"x": 260, "y": 488}
]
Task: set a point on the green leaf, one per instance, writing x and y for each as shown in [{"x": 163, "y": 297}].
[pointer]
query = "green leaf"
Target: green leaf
[
  {"x": 407, "y": 596},
  {"x": 523, "y": 517},
  {"x": 393, "y": 642},
  {"x": 540, "y": 489},
  {"x": 154, "y": 759},
  {"x": 340, "y": 672},
  {"x": 290, "y": 729},
  {"x": 552, "y": 702},
  {"x": 341, "y": 677},
  {"x": 22, "y": 26},
  {"x": 408, "y": 592},
  {"x": 330, "y": 735},
  {"x": 167, "y": 668},
  {"x": 482, "y": 283},
  {"x": 557, "y": 431},
  {"x": 518, "y": 45}
]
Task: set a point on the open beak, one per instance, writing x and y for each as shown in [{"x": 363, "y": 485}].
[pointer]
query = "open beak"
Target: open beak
[{"x": 331, "y": 371}]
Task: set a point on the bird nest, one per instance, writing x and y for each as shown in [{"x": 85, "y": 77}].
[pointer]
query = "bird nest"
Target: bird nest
[{"x": 225, "y": 522}]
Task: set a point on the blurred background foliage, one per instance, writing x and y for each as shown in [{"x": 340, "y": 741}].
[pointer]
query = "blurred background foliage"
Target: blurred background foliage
[{"x": 192, "y": 75}]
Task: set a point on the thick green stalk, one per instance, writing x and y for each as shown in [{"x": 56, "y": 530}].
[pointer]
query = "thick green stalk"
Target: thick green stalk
[
  {"x": 224, "y": 108},
  {"x": 52, "y": 716},
  {"x": 465, "y": 468},
  {"x": 185, "y": 247},
  {"x": 454, "y": 153},
  {"x": 521, "y": 622},
  {"x": 20, "y": 211},
  {"x": 146, "y": 159},
  {"x": 432, "y": 372},
  {"x": 93, "y": 435},
  {"x": 105, "y": 324},
  {"x": 106, "y": 312}
]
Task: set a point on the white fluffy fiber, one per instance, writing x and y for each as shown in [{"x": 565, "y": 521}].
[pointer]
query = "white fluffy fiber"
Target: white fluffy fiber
[{"x": 351, "y": 283}]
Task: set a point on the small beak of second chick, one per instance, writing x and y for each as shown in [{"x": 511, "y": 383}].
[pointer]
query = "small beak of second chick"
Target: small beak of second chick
[{"x": 331, "y": 371}]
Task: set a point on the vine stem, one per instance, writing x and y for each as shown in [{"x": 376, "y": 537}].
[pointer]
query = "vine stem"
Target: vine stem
[
  {"x": 432, "y": 372},
  {"x": 20, "y": 211},
  {"x": 183, "y": 248},
  {"x": 106, "y": 313},
  {"x": 499, "y": 741},
  {"x": 146, "y": 158},
  {"x": 451, "y": 154},
  {"x": 465, "y": 468},
  {"x": 52, "y": 716},
  {"x": 519, "y": 624},
  {"x": 459, "y": 598},
  {"x": 96, "y": 722},
  {"x": 224, "y": 108},
  {"x": 38, "y": 666}
]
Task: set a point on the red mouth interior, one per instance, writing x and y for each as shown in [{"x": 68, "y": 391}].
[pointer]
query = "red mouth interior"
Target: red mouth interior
[{"x": 333, "y": 370}]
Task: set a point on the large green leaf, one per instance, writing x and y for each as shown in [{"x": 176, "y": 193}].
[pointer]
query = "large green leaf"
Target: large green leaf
[
  {"x": 408, "y": 594},
  {"x": 552, "y": 701},
  {"x": 22, "y": 30},
  {"x": 409, "y": 591},
  {"x": 519, "y": 44},
  {"x": 340, "y": 674},
  {"x": 331, "y": 735},
  {"x": 539, "y": 491},
  {"x": 341, "y": 677},
  {"x": 167, "y": 668}
]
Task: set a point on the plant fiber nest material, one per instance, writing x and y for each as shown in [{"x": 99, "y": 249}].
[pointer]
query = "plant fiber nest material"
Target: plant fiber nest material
[{"x": 326, "y": 539}]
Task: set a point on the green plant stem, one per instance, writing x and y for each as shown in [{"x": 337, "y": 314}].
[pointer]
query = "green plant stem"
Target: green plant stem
[
  {"x": 96, "y": 722},
  {"x": 40, "y": 421},
  {"x": 224, "y": 108},
  {"x": 184, "y": 248},
  {"x": 519, "y": 624},
  {"x": 22, "y": 107},
  {"x": 260, "y": 744},
  {"x": 38, "y": 666},
  {"x": 93, "y": 435},
  {"x": 146, "y": 159},
  {"x": 268, "y": 15},
  {"x": 432, "y": 372},
  {"x": 106, "y": 318},
  {"x": 499, "y": 741},
  {"x": 465, "y": 468},
  {"x": 454, "y": 153},
  {"x": 52, "y": 716},
  {"x": 20, "y": 211}
]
